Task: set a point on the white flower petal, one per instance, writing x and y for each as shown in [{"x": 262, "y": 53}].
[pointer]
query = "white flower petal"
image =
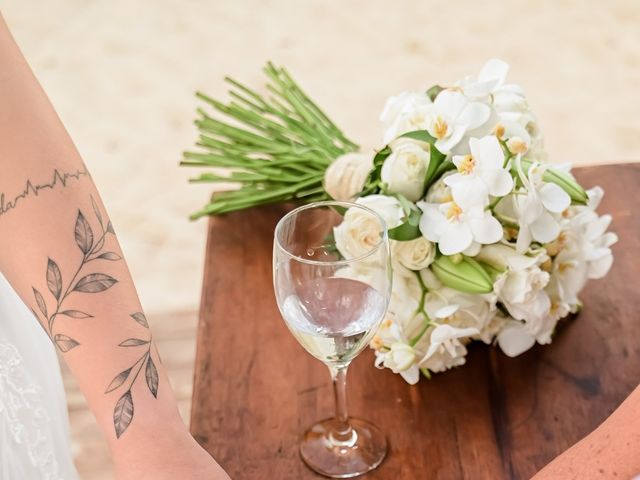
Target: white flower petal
[
  {"x": 514, "y": 340},
  {"x": 554, "y": 198},
  {"x": 451, "y": 103},
  {"x": 499, "y": 181},
  {"x": 455, "y": 238},
  {"x": 487, "y": 152},
  {"x": 486, "y": 229},
  {"x": 545, "y": 229},
  {"x": 432, "y": 222},
  {"x": 412, "y": 375},
  {"x": 474, "y": 115},
  {"x": 599, "y": 268},
  {"x": 447, "y": 311},
  {"x": 524, "y": 238},
  {"x": 469, "y": 192},
  {"x": 494, "y": 69}
]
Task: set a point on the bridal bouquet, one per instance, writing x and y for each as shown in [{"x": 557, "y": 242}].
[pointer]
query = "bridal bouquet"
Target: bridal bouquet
[{"x": 489, "y": 242}]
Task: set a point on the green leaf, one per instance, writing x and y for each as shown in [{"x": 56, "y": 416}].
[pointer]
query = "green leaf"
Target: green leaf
[
  {"x": 409, "y": 229},
  {"x": 466, "y": 276},
  {"x": 433, "y": 92}
]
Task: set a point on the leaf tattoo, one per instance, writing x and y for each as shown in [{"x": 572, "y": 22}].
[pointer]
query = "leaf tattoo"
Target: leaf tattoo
[
  {"x": 152, "y": 377},
  {"x": 94, "y": 283},
  {"x": 123, "y": 410},
  {"x": 54, "y": 278},
  {"x": 64, "y": 343},
  {"x": 133, "y": 342},
  {"x": 92, "y": 249},
  {"x": 118, "y": 380},
  {"x": 84, "y": 234},
  {"x": 140, "y": 318},
  {"x": 123, "y": 413},
  {"x": 40, "y": 301}
]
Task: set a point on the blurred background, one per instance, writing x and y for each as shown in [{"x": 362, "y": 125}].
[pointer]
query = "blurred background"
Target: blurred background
[{"x": 122, "y": 76}]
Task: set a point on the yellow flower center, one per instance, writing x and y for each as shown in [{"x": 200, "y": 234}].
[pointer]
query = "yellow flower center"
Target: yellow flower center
[
  {"x": 454, "y": 212},
  {"x": 377, "y": 343},
  {"x": 467, "y": 165},
  {"x": 440, "y": 128}
]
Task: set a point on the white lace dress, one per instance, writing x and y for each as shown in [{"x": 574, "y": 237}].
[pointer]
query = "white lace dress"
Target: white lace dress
[{"x": 34, "y": 429}]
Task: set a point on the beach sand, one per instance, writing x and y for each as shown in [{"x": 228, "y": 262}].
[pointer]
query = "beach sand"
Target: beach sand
[{"x": 122, "y": 76}]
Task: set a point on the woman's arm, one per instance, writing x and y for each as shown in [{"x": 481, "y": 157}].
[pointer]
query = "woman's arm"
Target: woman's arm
[
  {"x": 611, "y": 451},
  {"x": 60, "y": 252}
]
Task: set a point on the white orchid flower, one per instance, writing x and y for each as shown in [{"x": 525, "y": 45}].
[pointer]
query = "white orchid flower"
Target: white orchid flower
[
  {"x": 480, "y": 173},
  {"x": 456, "y": 228},
  {"x": 445, "y": 349},
  {"x": 535, "y": 208},
  {"x": 491, "y": 78},
  {"x": 451, "y": 116}
]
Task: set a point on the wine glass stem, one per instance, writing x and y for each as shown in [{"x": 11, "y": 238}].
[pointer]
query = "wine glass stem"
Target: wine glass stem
[{"x": 343, "y": 432}]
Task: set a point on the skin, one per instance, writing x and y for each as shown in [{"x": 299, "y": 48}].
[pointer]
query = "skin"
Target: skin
[
  {"x": 43, "y": 224},
  {"x": 611, "y": 451}
]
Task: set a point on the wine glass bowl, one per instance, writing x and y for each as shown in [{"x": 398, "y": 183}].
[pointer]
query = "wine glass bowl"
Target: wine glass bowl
[{"x": 333, "y": 298}]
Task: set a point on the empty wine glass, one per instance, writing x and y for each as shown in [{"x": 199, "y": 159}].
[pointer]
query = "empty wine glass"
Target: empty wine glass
[{"x": 332, "y": 280}]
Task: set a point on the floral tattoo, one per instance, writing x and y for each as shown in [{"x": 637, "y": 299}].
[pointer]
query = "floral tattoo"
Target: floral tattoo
[
  {"x": 125, "y": 380},
  {"x": 92, "y": 248}
]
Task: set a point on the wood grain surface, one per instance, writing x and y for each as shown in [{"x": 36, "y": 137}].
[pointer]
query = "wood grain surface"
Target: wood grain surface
[{"x": 256, "y": 390}]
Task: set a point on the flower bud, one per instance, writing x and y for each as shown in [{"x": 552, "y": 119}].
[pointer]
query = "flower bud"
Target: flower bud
[
  {"x": 466, "y": 276},
  {"x": 346, "y": 176}
]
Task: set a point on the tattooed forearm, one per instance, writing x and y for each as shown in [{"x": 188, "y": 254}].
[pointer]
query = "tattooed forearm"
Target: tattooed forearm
[
  {"x": 125, "y": 380},
  {"x": 59, "y": 179},
  {"x": 92, "y": 248}
]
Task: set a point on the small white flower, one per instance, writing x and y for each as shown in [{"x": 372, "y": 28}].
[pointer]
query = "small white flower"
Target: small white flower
[
  {"x": 403, "y": 113},
  {"x": 489, "y": 80},
  {"x": 535, "y": 209},
  {"x": 404, "y": 170},
  {"x": 413, "y": 254},
  {"x": 360, "y": 231},
  {"x": 480, "y": 173},
  {"x": 445, "y": 349},
  {"x": 455, "y": 228},
  {"x": 451, "y": 116}
]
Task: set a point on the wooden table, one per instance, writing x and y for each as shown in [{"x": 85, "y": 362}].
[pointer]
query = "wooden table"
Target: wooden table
[{"x": 256, "y": 390}]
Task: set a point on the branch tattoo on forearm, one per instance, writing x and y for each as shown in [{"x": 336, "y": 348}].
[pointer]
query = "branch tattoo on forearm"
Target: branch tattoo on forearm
[{"x": 55, "y": 301}]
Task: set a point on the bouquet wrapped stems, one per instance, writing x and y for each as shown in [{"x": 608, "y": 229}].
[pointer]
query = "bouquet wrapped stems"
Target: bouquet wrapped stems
[{"x": 272, "y": 148}]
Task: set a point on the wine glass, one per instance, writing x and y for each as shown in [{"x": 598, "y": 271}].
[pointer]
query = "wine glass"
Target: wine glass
[{"x": 332, "y": 280}]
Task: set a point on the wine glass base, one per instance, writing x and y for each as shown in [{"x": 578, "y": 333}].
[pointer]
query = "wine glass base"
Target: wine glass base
[{"x": 361, "y": 453}]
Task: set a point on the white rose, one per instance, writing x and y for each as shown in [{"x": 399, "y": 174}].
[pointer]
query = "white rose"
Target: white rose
[
  {"x": 405, "y": 169},
  {"x": 414, "y": 254},
  {"x": 440, "y": 192},
  {"x": 520, "y": 287},
  {"x": 401, "y": 114},
  {"x": 359, "y": 232},
  {"x": 347, "y": 174}
]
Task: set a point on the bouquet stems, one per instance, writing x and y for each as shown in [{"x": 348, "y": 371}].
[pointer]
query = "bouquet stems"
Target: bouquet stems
[{"x": 269, "y": 149}]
